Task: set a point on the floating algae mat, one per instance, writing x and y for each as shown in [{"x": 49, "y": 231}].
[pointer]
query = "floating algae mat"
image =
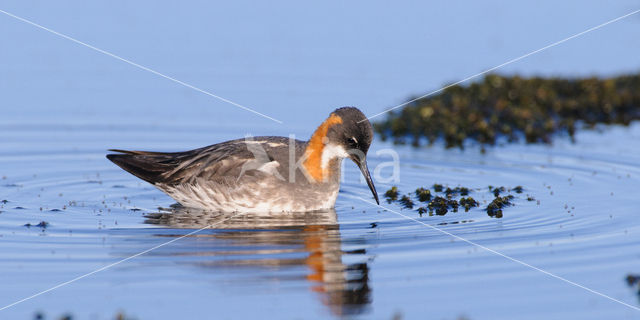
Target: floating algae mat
[
  {"x": 441, "y": 200},
  {"x": 514, "y": 108},
  {"x": 633, "y": 280}
]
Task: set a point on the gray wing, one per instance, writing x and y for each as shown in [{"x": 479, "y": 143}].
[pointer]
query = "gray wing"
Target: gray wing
[{"x": 227, "y": 160}]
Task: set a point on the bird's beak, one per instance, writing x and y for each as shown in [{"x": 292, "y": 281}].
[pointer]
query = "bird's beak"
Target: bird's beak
[{"x": 362, "y": 164}]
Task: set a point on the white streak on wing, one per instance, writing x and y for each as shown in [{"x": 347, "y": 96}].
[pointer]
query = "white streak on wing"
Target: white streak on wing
[
  {"x": 261, "y": 162},
  {"x": 275, "y": 144},
  {"x": 270, "y": 168}
]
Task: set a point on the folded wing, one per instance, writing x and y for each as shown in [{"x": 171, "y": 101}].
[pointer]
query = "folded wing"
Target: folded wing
[{"x": 221, "y": 161}]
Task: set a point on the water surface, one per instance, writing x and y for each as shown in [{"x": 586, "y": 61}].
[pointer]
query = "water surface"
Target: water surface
[{"x": 358, "y": 260}]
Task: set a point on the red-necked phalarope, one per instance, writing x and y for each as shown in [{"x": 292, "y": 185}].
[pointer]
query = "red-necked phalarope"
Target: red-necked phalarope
[{"x": 260, "y": 174}]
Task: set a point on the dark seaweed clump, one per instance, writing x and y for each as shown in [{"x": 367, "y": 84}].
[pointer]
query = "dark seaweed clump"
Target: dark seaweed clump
[
  {"x": 494, "y": 209},
  {"x": 634, "y": 280},
  {"x": 456, "y": 191},
  {"x": 440, "y": 204},
  {"x": 514, "y": 108},
  {"x": 406, "y": 202},
  {"x": 497, "y": 190},
  {"x": 391, "y": 194},
  {"x": 446, "y": 202},
  {"x": 423, "y": 195},
  {"x": 468, "y": 203}
]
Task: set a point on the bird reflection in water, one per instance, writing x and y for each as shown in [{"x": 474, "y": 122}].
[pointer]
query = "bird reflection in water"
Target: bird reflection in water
[{"x": 281, "y": 240}]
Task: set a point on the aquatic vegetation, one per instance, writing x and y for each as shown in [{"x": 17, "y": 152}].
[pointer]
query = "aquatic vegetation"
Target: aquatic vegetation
[
  {"x": 456, "y": 191},
  {"x": 440, "y": 205},
  {"x": 453, "y": 204},
  {"x": 497, "y": 190},
  {"x": 634, "y": 280},
  {"x": 423, "y": 194},
  {"x": 468, "y": 203},
  {"x": 391, "y": 194},
  {"x": 406, "y": 202},
  {"x": 511, "y": 108},
  {"x": 462, "y": 191},
  {"x": 494, "y": 209}
]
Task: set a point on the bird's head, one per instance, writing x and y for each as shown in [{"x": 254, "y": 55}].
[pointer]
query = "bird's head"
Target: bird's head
[{"x": 350, "y": 136}]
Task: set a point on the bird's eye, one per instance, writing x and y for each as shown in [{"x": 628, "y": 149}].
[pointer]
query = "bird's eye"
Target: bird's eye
[{"x": 353, "y": 142}]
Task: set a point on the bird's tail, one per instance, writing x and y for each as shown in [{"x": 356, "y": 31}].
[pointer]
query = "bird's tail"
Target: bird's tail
[{"x": 148, "y": 166}]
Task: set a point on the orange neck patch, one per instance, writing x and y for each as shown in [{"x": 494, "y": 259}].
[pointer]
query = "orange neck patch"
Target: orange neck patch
[{"x": 313, "y": 163}]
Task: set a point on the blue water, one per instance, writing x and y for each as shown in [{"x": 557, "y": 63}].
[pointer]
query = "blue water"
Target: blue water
[{"x": 63, "y": 105}]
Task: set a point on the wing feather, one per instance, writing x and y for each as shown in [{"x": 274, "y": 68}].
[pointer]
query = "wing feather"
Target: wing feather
[{"x": 220, "y": 161}]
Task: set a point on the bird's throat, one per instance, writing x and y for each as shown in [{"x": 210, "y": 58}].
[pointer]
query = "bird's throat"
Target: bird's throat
[{"x": 316, "y": 152}]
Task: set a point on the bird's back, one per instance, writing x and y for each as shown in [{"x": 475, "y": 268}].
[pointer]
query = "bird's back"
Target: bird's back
[
  {"x": 251, "y": 174},
  {"x": 214, "y": 161}
]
